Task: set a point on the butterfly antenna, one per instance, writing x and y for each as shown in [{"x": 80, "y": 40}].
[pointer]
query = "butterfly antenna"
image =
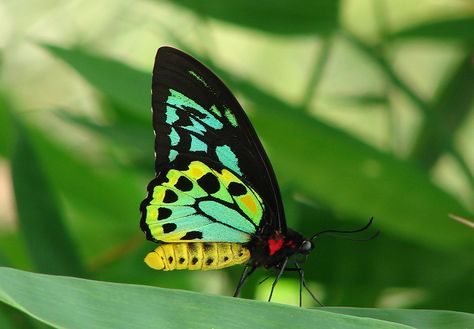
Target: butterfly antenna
[{"x": 334, "y": 233}]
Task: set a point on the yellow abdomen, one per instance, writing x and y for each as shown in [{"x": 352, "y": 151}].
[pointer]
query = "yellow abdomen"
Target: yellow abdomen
[{"x": 197, "y": 256}]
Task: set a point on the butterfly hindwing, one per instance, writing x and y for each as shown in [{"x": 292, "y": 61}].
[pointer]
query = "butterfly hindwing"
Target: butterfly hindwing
[
  {"x": 192, "y": 201},
  {"x": 195, "y": 115}
]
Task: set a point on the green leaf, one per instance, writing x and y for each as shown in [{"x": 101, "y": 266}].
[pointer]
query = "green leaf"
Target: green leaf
[
  {"x": 122, "y": 83},
  {"x": 451, "y": 108},
  {"x": 77, "y": 303},
  {"x": 333, "y": 167},
  {"x": 40, "y": 218},
  {"x": 364, "y": 101},
  {"x": 5, "y": 320},
  {"x": 282, "y": 17},
  {"x": 5, "y": 127},
  {"x": 458, "y": 29},
  {"x": 421, "y": 319},
  {"x": 11, "y": 318},
  {"x": 3, "y": 260},
  {"x": 104, "y": 201},
  {"x": 133, "y": 139}
]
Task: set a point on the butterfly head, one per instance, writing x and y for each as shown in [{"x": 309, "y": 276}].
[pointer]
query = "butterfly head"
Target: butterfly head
[{"x": 306, "y": 247}]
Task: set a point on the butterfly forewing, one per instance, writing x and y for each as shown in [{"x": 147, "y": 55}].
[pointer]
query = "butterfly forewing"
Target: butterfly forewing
[{"x": 195, "y": 115}]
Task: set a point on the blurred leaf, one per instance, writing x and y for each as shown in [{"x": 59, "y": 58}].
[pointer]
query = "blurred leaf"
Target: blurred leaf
[
  {"x": 3, "y": 260},
  {"x": 362, "y": 274},
  {"x": 344, "y": 172},
  {"x": 424, "y": 107},
  {"x": 41, "y": 221},
  {"x": 77, "y": 303},
  {"x": 5, "y": 318},
  {"x": 14, "y": 251},
  {"x": 331, "y": 166},
  {"x": 364, "y": 100},
  {"x": 120, "y": 82},
  {"x": 132, "y": 139},
  {"x": 281, "y": 17},
  {"x": 458, "y": 29},
  {"x": 421, "y": 319},
  {"x": 5, "y": 127},
  {"x": 451, "y": 108},
  {"x": 104, "y": 198},
  {"x": 11, "y": 318}
]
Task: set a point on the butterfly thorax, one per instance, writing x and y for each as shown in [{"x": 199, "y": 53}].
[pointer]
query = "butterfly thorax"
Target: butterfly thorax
[{"x": 269, "y": 251}]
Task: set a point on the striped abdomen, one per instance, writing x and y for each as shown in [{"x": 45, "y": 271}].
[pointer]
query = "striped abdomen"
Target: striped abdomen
[{"x": 197, "y": 256}]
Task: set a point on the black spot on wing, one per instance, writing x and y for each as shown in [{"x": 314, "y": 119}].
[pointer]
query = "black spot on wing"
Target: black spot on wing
[
  {"x": 163, "y": 213},
  {"x": 209, "y": 183},
  {"x": 191, "y": 235},
  {"x": 237, "y": 189},
  {"x": 169, "y": 227},
  {"x": 170, "y": 197},
  {"x": 184, "y": 184}
]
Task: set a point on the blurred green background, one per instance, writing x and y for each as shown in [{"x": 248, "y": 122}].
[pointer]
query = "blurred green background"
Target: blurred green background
[{"x": 365, "y": 109}]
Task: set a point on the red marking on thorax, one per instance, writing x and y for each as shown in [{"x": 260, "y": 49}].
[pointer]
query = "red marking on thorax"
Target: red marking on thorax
[{"x": 274, "y": 245}]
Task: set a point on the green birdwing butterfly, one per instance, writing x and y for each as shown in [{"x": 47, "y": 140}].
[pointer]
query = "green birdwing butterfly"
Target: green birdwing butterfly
[{"x": 215, "y": 200}]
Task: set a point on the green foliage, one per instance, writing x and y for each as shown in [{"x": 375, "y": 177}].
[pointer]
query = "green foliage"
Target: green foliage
[
  {"x": 417, "y": 318},
  {"x": 48, "y": 256},
  {"x": 78, "y": 175},
  {"x": 281, "y": 17},
  {"x": 453, "y": 29},
  {"x": 78, "y": 303}
]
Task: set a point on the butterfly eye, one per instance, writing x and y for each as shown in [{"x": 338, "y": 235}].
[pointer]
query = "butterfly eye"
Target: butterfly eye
[{"x": 306, "y": 247}]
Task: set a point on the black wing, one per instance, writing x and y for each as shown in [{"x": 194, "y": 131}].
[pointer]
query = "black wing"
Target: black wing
[{"x": 196, "y": 115}]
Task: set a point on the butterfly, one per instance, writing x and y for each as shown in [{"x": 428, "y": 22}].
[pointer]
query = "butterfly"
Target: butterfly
[{"x": 215, "y": 200}]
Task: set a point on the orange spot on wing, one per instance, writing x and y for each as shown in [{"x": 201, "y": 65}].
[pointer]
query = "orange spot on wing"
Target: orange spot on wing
[{"x": 248, "y": 201}]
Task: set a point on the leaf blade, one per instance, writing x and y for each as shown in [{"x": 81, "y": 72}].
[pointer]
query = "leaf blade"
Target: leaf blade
[
  {"x": 41, "y": 222},
  {"x": 456, "y": 29},
  {"x": 346, "y": 171},
  {"x": 281, "y": 17},
  {"x": 78, "y": 303},
  {"x": 421, "y": 319}
]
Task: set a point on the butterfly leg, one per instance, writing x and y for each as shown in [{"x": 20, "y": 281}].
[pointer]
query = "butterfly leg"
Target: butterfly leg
[
  {"x": 248, "y": 270},
  {"x": 266, "y": 278},
  {"x": 282, "y": 269},
  {"x": 303, "y": 284},
  {"x": 301, "y": 287}
]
